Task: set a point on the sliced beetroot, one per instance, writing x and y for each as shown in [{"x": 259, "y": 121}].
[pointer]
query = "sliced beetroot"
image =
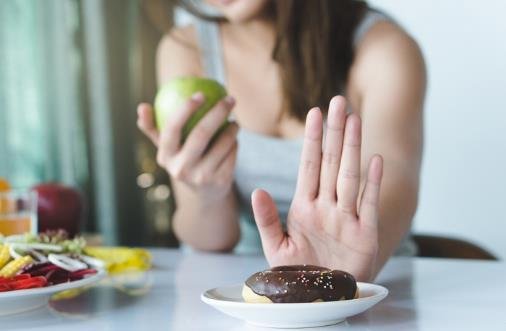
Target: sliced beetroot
[
  {"x": 53, "y": 273},
  {"x": 49, "y": 276},
  {"x": 76, "y": 275},
  {"x": 58, "y": 276},
  {"x": 44, "y": 270},
  {"x": 34, "y": 267}
]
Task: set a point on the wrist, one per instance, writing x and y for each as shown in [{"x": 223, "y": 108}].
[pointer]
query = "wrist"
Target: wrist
[{"x": 205, "y": 196}]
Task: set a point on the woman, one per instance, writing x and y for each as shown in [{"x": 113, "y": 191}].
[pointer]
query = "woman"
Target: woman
[{"x": 278, "y": 59}]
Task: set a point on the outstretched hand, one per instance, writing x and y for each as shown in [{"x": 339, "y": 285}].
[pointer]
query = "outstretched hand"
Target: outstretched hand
[{"x": 330, "y": 222}]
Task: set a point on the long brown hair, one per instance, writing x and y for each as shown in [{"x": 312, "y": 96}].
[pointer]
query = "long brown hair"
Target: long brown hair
[{"x": 313, "y": 48}]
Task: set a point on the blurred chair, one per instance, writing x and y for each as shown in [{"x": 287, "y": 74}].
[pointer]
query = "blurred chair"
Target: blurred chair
[{"x": 444, "y": 247}]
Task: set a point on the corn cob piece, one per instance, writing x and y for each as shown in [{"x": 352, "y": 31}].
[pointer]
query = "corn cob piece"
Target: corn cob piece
[
  {"x": 4, "y": 255},
  {"x": 14, "y": 266}
]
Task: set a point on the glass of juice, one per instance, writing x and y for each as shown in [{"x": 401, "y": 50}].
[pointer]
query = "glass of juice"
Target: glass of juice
[{"x": 18, "y": 212}]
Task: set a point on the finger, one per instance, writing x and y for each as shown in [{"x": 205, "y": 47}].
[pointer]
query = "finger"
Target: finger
[
  {"x": 170, "y": 137},
  {"x": 369, "y": 206},
  {"x": 309, "y": 168},
  {"x": 226, "y": 167},
  {"x": 220, "y": 149},
  {"x": 206, "y": 128},
  {"x": 332, "y": 149},
  {"x": 267, "y": 219},
  {"x": 146, "y": 122},
  {"x": 348, "y": 180}
]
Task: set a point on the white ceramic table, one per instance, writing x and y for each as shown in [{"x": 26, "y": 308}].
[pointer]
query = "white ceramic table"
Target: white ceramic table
[{"x": 425, "y": 294}]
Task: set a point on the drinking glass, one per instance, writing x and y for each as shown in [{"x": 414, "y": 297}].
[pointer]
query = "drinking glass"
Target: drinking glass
[{"x": 18, "y": 212}]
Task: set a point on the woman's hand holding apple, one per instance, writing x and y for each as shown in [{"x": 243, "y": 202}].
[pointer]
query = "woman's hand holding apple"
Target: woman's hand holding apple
[{"x": 207, "y": 169}]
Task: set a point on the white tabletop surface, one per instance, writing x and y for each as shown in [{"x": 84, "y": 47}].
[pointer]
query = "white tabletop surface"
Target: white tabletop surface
[{"x": 425, "y": 294}]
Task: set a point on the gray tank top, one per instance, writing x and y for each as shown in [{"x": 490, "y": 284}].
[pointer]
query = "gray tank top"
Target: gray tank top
[{"x": 263, "y": 161}]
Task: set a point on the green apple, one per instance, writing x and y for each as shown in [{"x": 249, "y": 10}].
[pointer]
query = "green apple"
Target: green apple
[{"x": 171, "y": 97}]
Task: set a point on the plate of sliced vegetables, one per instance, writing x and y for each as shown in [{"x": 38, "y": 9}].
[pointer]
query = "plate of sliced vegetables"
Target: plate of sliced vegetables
[{"x": 34, "y": 267}]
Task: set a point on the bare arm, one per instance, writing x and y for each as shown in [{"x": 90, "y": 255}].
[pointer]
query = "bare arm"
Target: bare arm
[
  {"x": 206, "y": 215},
  {"x": 390, "y": 78},
  {"x": 332, "y": 221}
]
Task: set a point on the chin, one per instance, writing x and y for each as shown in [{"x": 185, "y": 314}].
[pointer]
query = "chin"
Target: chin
[{"x": 237, "y": 11}]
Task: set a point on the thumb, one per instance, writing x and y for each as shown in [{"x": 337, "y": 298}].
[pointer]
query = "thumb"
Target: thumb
[
  {"x": 146, "y": 122},
  {"x": 267, "y": 219}
]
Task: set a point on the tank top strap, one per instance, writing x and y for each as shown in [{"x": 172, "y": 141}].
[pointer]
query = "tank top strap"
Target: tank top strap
[
  {"x": 209, "y": 40},
  {"x": 370, "y": 19}
]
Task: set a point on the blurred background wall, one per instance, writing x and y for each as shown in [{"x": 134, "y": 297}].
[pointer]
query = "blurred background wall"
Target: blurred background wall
[{"x": 464, "y": 170}]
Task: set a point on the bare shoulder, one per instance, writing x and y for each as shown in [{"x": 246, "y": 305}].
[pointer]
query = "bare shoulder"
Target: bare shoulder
[
  {"x": 388, "y": 57},
  {"x": 178, "y": 54}
]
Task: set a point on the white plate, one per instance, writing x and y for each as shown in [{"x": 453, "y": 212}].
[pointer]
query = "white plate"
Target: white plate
[
  {"x": 292, "y": 315},
  {"x": 18, "y": 301}
]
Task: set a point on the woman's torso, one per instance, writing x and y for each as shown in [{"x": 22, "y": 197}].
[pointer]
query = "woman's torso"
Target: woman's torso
[{"x": 269, "y": 141}]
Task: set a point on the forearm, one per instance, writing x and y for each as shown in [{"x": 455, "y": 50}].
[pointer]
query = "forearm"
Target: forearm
[
  {"x": 398, "y": 203},
  {"x": 209, "y": 224}
]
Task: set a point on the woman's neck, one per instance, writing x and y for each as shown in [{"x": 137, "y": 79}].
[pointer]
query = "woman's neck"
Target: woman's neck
[{"x": 257, "y": 34}]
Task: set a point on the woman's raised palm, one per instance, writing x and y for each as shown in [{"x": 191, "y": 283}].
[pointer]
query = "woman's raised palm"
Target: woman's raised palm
[{"x": 329, "y": 223}]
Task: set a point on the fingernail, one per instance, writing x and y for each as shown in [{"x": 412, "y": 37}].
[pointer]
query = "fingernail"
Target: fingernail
[
  {"x": 139, "y": 108},
  {"x": 230, "y": 100},
  {"x": 198, "y": 96},
  {"x": 312, "y": 112}
]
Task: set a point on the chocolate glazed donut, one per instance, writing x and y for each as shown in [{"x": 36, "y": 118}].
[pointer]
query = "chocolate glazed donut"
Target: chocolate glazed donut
[{"x": 299, "y": 283}]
